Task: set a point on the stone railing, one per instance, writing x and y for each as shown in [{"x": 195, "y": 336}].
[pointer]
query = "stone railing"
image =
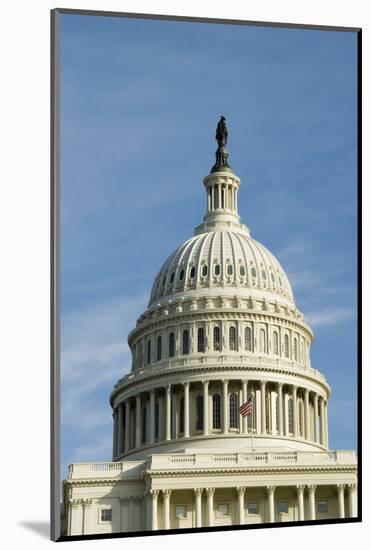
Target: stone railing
[
  {"x": 174, "y": 461},
  {"x": 105, "y": 469},
  {"x": 130, "y": 469},
  {"x": 166, "y": 366}
]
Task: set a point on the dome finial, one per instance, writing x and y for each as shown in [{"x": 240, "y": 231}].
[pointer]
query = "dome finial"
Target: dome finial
[{"x": 221, "y": 155}]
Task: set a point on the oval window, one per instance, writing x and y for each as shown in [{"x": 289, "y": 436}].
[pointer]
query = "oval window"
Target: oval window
[
  {"x": 192, "y": 272},
  {"x": 273, "y": 278},
  {"x": 204, "y": 270},
  {"x": 253, "y": 271},
  {"x": 242, "y": 271},
  {"x": 264, "y": 274},
  {"x": 217, "y": 269},
  {"x": 164, "y": 281},
  {"x": 230, "y": 269},
  {"x": 172, "y": 277},
  {"x": 181, "y": 275}
]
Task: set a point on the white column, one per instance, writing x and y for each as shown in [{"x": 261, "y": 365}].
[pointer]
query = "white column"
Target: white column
[
  {"x": 198, "y": 506},
  {"x": 262, "y": 397},
  {"x": 186, "y": 409},
  {"x": 175, "y": 414},
  {"x": 312, "y": 501},
  {"x": 86, "y": 506},
  {"x": 225, "y": 406},
  {"x": 280, "y": 409},
  {"x": 322, "y": 409},
  {"x": 127, "y": 425},
  {"x": 270, "y": 493},
  {"x": 152, "y": 416},
  {"x": 244, "y": 399},
  {"x": 115, "y": 420},
  {"x": 295, "y": 410},
  {"x": 154, "y": 494},
  {"x": 326, "y": 426},
  {"x": 138, "y": 434},
  {"x": 307, "y": 417},
  {"x": 208, "y": 200},
  {"x": 168, "y": 413},
  {"x": 352, "y": 497},
  {"x": 315, "y": 407},
  {"x": 160, "y": 417},
  {"x": 240, "y": 492},
  {"x": 210, "y": 506},
  {"x": 119, "y": 435},
  {"x": 340, "y": 490},
  {"x": 219, "y": 197},
  {"x": 300, "y": 493},
  {"x": 206, "y": 407},
  {"x": 166, "y": 507}
]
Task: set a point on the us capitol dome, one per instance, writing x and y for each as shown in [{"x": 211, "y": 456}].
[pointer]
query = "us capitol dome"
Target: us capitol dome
[{"x": 221, "y": 329}]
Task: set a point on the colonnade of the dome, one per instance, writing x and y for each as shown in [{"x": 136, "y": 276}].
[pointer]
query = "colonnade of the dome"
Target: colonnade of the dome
[{"x": 176, "y": 412}]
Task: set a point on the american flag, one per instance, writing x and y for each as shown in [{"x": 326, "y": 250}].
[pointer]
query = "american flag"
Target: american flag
[{"x": 246, "y": 408}]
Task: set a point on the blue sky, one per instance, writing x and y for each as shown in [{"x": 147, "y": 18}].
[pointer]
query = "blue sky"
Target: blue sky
[{"x": 140, "y": 100}]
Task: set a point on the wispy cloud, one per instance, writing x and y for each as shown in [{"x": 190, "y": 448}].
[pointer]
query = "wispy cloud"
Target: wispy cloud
[{"x": 330, "y": 316}]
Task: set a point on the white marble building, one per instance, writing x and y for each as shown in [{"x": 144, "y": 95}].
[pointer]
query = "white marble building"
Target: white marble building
[{"x": 221, "y": 324}]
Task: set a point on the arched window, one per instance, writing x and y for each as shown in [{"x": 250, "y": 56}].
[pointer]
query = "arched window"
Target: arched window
[
  {"x": 295, "y": 349},
  {"x": 216, "y": 411},
  {"x": 287, "y": 348},
  {"x": 171, "y": 344},
  {"x": 185, "y": 342},
  {"x": 199, "y": 412},
  {"x": 233, "y": 410},
  {"x": 216, "y": 334},
  {"x": 144, "y": 424},
  {"x": 217, "y": 269},
  {"x": 242, "y": 271},
  {"x": 181, "y": 415},
  {"x": 275, "y": 343},
  {"x": 159, "y": 348},
  {"x": 156, "y": 419},
  {"x": 291, "y": 415},
  {"x": 204, "y": 271},
  {"x": 181, "y": 275},
  {"x": 262, "y": 340},
  {"x": 172, "y": 277},
  {"x": 201, "y": 340},
  {"x": 248, "y": 339},
  {"x": 229, "y": 269},
  {"x": 301, "y": 418},
  {"x": 232, "y": 338},
  {"x": 148, "y": 352}
]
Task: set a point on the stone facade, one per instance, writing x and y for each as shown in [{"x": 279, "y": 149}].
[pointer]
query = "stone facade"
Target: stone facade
[{"x": 221, "y": 326}]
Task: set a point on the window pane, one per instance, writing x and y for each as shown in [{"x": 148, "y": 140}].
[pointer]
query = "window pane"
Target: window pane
[
  {"x": 106, "y": 514},
  {"x": 200, "y": 340},
  {"x": 185, "y": 342},
  {"x": 159, "y": 348},
  {"x": 199, "y": 412},
  {"x": 217, "y": 269},
  {"x": 322, "y": 506},
  {"x": 171, "y": 344},
  {"x": 233, "y": 410},
  {"x": 252, "y": 508},
  {"x": 282, "y": 507},
  {"x": 232, "y": 338},
  {"x": 216, "y": 339},
  {"x": 248, "y": 340},
  {"x": 216, "y": 411},
  {"x": 223, "y": 509},
  {"x": 180, "y": 511}
]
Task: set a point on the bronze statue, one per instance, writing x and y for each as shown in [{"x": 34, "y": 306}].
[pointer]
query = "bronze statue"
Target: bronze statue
[{"x": 221, "y": 132}]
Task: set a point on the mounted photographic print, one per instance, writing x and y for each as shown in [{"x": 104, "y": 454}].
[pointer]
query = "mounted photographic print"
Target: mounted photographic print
[{"x": 205, "y": 340}]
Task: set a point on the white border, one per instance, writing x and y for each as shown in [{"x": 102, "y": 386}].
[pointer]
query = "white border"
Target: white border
[{"x": 25, "y": 262}]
